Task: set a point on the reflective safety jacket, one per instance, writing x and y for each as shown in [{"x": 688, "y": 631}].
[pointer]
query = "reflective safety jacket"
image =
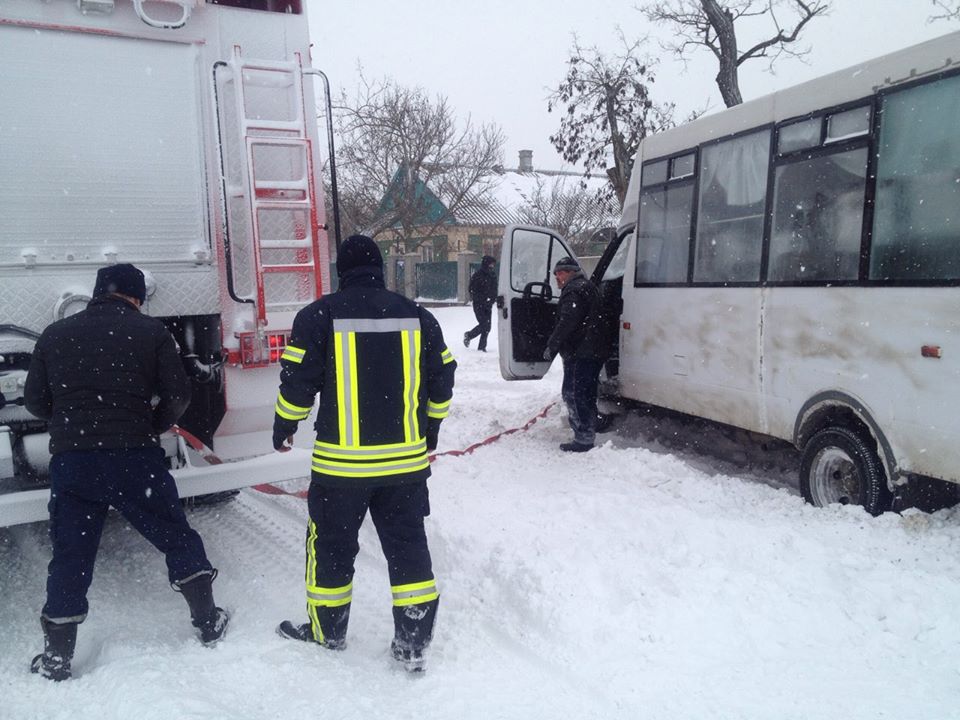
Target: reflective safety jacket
[{"x": 384, "y": 376}]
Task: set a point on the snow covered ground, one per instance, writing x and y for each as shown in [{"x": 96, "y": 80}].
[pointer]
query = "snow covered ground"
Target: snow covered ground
[{"x": 640, "y": 580}]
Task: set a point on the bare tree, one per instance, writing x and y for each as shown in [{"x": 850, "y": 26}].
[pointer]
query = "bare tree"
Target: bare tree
[
  {"x": 713, "y": 24},
  {"x": 606, "y": 111},
  {"x": 945, "y": 10},
  {"x": 400, "y": 151},
  {"x": 573, "y": 212}
]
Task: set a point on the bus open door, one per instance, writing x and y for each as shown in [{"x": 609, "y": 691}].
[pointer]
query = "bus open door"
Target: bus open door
[{"x": 527, "y": 297}]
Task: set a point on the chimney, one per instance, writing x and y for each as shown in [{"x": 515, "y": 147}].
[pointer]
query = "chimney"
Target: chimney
[{"x": 526, "y": 161}]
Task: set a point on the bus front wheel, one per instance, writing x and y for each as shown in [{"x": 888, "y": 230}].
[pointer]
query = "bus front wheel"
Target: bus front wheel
[{"x": 839, "y": 466}]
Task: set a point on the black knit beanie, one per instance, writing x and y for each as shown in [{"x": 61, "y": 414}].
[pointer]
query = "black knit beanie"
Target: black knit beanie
[
  {"x": 568, "y": 264},
  {"x": 358, "y": 251},
  {"x": 124, "y": 279},
  {"x": 488, "y": 261}
]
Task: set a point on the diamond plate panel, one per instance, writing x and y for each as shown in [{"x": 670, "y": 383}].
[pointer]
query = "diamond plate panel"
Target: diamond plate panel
[{"x": 29, "y": 298}]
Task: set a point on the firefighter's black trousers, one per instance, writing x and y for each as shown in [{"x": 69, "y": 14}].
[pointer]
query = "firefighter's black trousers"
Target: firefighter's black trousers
[
  {"x": 83, "y": 486},
  {"x": 336, "y": 515}
]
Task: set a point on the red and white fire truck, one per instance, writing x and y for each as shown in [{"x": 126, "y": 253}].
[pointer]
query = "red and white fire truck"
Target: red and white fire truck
[{"x": 181, "y": 136}]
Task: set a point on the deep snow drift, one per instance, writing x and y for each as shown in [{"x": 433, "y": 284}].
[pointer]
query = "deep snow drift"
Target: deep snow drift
[{"x": 639, "y": 580}]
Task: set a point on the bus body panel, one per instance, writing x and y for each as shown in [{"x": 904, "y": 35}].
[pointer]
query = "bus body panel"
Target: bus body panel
[
  {"x": 867, "y": 342},
  {"x": 709, "y": 367}
]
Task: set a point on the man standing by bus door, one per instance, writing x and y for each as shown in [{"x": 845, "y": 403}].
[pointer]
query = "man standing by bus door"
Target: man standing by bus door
[
  {"x": 93, "y": 376},
  {"x": 385, "y": 380},
  {"x": 483, "y": 292},
  {"x": 578, "y": 337}
]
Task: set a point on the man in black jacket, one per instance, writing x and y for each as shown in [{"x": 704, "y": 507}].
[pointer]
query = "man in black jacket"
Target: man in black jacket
[
  {"x": 92, "y": 378},
  {"x": 385, "y": 379},
  {"x": 578, "y": 338},
  {"x": 483, "y": 292}
]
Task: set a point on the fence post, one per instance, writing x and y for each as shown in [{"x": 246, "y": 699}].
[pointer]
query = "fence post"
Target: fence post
[
  {"x": 410, "y": 262},
  {"x": 390, "y": 271},
  {"x": 464, "y": 259}
]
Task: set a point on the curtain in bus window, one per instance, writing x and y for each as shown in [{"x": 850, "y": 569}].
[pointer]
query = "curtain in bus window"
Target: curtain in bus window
[
  {"x": 733, "y": 187},
  {"x": 916, "y": 223},
  {"x": 663, "y": 235},
  {"x": 818, "y": 218}
]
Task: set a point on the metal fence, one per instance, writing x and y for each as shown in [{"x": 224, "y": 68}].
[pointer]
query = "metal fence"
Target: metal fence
[{"x": 437, "y": 280}]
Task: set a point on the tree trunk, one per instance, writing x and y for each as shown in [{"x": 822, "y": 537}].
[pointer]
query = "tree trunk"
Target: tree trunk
[{"x": 722, "y": 22}]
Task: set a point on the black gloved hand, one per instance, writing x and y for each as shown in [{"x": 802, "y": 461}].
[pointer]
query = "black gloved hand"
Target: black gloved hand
[
  {"x": 433, "y": 433},
  {"x": 282, "y": 441},
  {"x": 548, "y": 355}
]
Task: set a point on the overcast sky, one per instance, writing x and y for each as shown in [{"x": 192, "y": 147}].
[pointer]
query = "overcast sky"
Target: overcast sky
[{"x": 496, "y": 60}]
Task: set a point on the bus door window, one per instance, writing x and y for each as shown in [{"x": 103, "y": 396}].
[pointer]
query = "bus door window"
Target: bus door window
[
  {"x": 916, "y": 225},
  {"x": 732, "y": 198}
]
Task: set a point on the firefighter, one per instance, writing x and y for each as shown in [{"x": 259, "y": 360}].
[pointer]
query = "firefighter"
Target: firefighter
[
  {"x": 93, "y": 376},
  {"x": 385, "y": 379}
]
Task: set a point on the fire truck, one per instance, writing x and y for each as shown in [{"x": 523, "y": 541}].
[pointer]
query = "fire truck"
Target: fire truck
[{"x": 180, "y": 136}]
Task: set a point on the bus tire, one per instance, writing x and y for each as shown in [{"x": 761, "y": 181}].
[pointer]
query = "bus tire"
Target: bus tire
[{"x": 839, "y": 466}]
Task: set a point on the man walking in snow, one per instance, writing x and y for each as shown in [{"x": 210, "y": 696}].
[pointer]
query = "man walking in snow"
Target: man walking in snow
[
  {"x": 92, "y": 377},
  {"x": 483, "y": 292},
  {"x": 578, "y": 338},
  {"x": 385, "y": 379}
]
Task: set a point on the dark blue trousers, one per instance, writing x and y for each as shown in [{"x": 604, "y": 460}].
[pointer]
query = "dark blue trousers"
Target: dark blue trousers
[
  {"x": 84, "y": 484},
  {"x": 336, "y": 515},
  {"x": 397, "y": 512},
  {"x": 579, "y": 392},
  {"x": 482, "y": 312}
]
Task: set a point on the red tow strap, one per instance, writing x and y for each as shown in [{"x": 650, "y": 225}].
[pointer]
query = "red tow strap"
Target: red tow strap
[{"x": 270, "y": 489}]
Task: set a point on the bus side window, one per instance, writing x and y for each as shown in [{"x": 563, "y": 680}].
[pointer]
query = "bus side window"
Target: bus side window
[
  {"x": 663, "y": 235},
  {"x": 818, "y": 218},
  {"x": 916, "y": 234},
  {"x": 733, "y": 191}
]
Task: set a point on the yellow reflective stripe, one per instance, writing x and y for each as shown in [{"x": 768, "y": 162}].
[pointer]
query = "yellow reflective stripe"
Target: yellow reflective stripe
[
  {"x": 447, "y": 356},
  {"x": 415, "y": 593},
  {"x": 329, "y": 597},
  {"x": 354, "y": 391},
  {"x": 311, "y": 553},
  {"x": 368, "y": 452},
  {"x": 410, "y": 351},
  {"x": 293, "y": 354},
  {"x": 315, "y": 623},
  {"x": 371, "y": 469},
  {"x": 348, "y": 415},
  {"x": 289, "y": 411},
  {"x": 438, "y": 410}
]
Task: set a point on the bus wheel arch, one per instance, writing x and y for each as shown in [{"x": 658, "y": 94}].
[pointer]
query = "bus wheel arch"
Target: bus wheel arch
[{"x": 844, "y": 455}]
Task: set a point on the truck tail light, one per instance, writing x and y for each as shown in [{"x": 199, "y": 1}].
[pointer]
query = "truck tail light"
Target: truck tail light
[{"x": 260, "y": 350}]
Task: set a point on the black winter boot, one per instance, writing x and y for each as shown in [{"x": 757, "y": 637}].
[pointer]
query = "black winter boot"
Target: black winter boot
[
  {"x": 209, "y": 619},
  {"x": 413, "y": 631},
  {"x": 304, "y": 633},
  {"x": 59, "y": 641},
  {"x": 333, "y": 628}
]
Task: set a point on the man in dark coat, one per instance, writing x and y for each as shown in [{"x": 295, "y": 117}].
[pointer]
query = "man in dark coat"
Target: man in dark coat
[
  {"x": 385, "y": 379},
  {"x": 483, "y": 292},
  {"x": 579, "y": 339},
  {"x": 93, "y": 377}
]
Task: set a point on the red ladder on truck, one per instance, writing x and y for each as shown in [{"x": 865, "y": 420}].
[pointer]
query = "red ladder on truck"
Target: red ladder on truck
[{"x": 280, "y": 183}]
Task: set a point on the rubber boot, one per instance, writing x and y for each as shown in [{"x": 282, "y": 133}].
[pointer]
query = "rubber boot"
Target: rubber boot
[
  {"x": 59, "y": 641},
  {"x": 413, "y": 631},
  {"x": 331, "y": 634},
  {"x": 209, "y": 619}
]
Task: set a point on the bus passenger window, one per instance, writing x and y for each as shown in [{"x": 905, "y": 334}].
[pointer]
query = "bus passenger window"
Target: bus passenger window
[
  {"x": 818, "y": 218},
  {"x": 663, "y": 235},
  {"x": 733, "y": 192},
  {"x": 916, "y": 223}
]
